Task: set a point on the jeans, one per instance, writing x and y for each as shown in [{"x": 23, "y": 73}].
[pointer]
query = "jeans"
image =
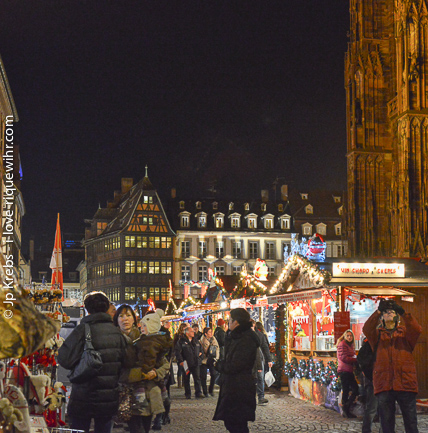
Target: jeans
[
  {"x": 261, "y": 384},
  {"x": 194, "y": 371},
  {"x": 204, "y": 368},
  {"x": 370, "y": 409},
  {"x": 348, "y": 384},
  {"x": 236, "y": 426},
  {"x": 406, "y": 401},
  {"x": 101, "y": 425}
]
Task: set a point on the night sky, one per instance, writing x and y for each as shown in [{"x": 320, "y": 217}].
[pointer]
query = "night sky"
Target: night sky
[{"x": 232, "y": 92}]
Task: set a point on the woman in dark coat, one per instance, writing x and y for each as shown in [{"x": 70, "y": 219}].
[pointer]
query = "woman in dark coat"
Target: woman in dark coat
[
  {"x": 98, "y": 398},
  {"x": 237, "y": 400}
]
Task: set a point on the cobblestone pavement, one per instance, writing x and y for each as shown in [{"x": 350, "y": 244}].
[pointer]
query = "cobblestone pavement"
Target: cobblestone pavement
[{"x": 282, "y": 414}]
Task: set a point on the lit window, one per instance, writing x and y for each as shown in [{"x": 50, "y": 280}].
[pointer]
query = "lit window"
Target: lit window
[
  {"x": 166, "y": 242},
  {"x": 218, "y": 221},
  {"x": 231, "y": 206},
  {"x": 252, "y": 222},
  {"x": 101, "y": 227},
  {"x": 337, "y": 199},
  {"x": 141, "y": 267},
  {"x": 285, "y": 223},
  {"x": 148, "y": 199},
  {"x": 129, "y": 241},
  {"x": 129, "y": 267},
  {"x": 235, "y": 222},
  {"x": 268, "y": 223},
  {"x": 166, "y": 267},
  {"x": 154, "y": 267},
  {"x": 202, "y": 221},
  {"x": 309, "y": 209},
  {"x": 141, "y": 242}
]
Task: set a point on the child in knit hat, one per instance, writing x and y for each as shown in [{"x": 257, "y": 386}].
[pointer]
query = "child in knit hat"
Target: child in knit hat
[{"x": 152, "y": 346}]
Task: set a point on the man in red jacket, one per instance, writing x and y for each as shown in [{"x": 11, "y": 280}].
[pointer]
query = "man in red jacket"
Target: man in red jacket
[{"x": 394, "y": 371}]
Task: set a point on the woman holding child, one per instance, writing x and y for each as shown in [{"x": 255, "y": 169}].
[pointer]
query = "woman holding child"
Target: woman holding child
[{"x": 147, "y": 375}]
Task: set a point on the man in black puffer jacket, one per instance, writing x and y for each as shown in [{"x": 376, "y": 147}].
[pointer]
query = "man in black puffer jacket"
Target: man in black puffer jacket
[
  {"x": 189, "y": 349},
  {"x": 237, "y": 400},
  {"x": 97, "y": 398}
]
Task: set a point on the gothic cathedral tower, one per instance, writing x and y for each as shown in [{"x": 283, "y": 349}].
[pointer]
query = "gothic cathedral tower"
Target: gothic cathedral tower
[{"x": 386, "y": 73}]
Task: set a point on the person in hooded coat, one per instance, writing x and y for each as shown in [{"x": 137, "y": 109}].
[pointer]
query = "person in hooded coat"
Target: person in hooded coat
[{"x": 236, "y": 404}]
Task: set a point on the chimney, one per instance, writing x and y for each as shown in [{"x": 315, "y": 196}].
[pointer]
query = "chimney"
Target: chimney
[
  {"x": 117, "y": 196},
  {"x": 284, "y": 192},
  {"x": 173, "y": 193},
  {"x": 126, "y": 184},
  {"x": 265, "y": 195},
  {"x": 32, "y": 249}
]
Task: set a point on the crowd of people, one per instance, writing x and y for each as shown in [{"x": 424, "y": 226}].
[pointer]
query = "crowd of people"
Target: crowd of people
[{"x": 139, "y": 355}]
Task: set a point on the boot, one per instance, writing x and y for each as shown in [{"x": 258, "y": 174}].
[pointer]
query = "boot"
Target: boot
[
  {"x": 165, "y": 416},
  {"x": 346, "y": 410},
  {"x": 180, "y": 381},
  {"x": 157, "y": 424}
]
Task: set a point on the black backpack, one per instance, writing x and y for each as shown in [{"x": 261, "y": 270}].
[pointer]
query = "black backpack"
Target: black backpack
[{"x": 366, "y": 359}]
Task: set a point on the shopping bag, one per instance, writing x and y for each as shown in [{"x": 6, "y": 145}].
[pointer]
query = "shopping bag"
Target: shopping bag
[{"x": 269, "y": 378}]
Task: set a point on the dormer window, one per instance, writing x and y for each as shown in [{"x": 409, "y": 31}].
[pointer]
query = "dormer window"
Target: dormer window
[
  {"x": 309, "y": 209},
  {"x": 202, "y": 220},
  {"x": 235, "y": 221},
  {"x": 337, "y": 199},
  {"x": 231, "y": 206},
  {"x": 263, "y": 207},
  {"x": 181, "y": 204},
  {"x": 247, "y": 206},
  {"x": 198, "y": 205},
  {"x": 184, "y": 220},
  {"x": 285, "y": 222},
  {"x": 148, "y": 199},
  {"x": 338, "y": 229},
  {"x": 280, "y": 207},
  {"x": 215, "y": 205},
  {"x": 340, "y": 210},
  {"x": 218, "y": 220},
  {"x": 307, "y": 229},
  {"x": 252, "y": 221},
  {"x": 321, "y": 229},
  {"x": 268, "y": 221},
  {"x": 304, "y": 195}
]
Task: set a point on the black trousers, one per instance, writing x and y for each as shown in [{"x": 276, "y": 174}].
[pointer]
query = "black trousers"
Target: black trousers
[
  {"x": 194, "y": 371},
  {"x": 348, "y": 384}
]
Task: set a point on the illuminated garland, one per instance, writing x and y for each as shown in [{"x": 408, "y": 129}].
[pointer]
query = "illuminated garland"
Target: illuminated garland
[
  {"x": 314, "y": 370},
  {"x": 189, "y": 302},
  {"x": 319, "y": 277},
  {"x": 247, "y": 287}
]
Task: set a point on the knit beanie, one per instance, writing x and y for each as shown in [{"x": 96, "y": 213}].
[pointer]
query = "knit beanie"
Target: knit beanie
[
  {"x": 220, "y": 322},
  {"x": 153, "y": 321}
]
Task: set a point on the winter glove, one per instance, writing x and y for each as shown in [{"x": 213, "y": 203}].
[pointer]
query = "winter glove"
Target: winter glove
[
  {"x": 150, "y": 375},
  {"x": 386, "y": 304},
  {"x": 398, "y": 309}
]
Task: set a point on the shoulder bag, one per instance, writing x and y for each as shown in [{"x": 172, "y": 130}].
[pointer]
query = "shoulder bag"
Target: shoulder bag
[{"x": 90, "y": 362}]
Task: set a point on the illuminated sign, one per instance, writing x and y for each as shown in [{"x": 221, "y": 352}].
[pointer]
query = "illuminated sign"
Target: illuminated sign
[
  {"x": 293, "y": 297},
  {"x": 368, "y": 270}
]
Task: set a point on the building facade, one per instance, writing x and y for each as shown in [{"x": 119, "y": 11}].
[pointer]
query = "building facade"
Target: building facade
[
  {"x": 387, "y": 122},
  {"x": 11, "y": 200},
  {"x": 129, "y": 246}
]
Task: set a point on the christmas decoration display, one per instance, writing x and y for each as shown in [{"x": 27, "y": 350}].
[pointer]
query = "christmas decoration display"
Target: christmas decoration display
[
  {"x": 278, "y": 362},
  {"x": 261, "y": 270},
  {"x": 316, "y": 248},
  {"x": 318, "y": 277},
  {"x": 248, "y": 286}
]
